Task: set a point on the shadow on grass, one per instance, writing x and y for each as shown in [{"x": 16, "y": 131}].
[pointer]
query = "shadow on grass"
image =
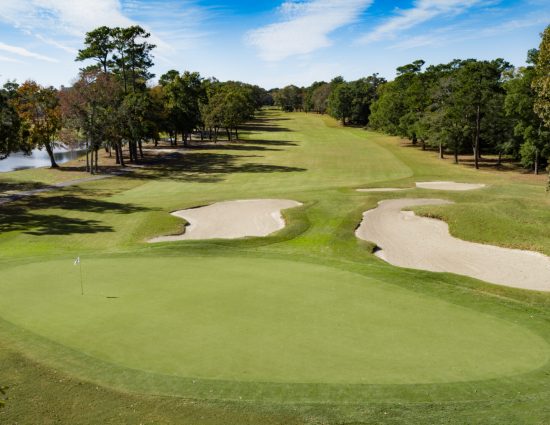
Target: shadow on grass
[
  {"x": 24, "y": 215},
  {"x": 14, "y": 218},
  {"x": 18, "y": 186},
  {"x": 203, "y": 167}
]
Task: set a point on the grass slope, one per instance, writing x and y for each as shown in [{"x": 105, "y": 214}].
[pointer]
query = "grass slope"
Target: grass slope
[{"x": 304, "y": 326}]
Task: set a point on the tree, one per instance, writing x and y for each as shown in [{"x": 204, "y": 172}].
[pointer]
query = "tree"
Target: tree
[
  {"x": 528, "y": 127},
  {"x": 99, "y": 46},
  {"x": 319, "y": 98},
  {"x": 387, "y": 111},
  {"x": 289, "y": 98},
  {"x": 364, "y": 93},
  {"x": 132, "y": 59},
  {"x": 340, "y": 101},
  {"x": 88, "y": 108},
  {"x": 183, "y": 95},
  {"x": 541, "y": 80},
  {"x": 478, "y": 83},
  {"x": 40, "y": 114},
  {"x": 9, "y": 122}
]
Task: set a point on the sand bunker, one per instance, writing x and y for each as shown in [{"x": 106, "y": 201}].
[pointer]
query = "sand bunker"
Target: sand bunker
[
  {"x": 407, "y": 240},
  {"x": 381, "y": 189},
  {"x": 232, "y": 219},
  {"x": 430, "y": 185},
  {"x": 449, "y": 186}
]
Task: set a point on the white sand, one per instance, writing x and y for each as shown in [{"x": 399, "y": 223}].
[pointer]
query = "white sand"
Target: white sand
[
  {"x": 449, "y": 186},
  {"x": 232, "y": 219},
  {"x": 407, "y": 240},
  {"x": 381, "y": 189}
]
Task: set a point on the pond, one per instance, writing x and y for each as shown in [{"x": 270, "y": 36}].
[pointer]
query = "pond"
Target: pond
[{"x": 37, "y": 158}]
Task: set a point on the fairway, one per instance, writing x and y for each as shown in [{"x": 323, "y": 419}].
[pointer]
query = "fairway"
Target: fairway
[{"x": 306, "y": 321}]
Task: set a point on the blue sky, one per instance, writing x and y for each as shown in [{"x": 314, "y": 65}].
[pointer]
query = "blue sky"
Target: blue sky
[{"x": 271, "y": 42}]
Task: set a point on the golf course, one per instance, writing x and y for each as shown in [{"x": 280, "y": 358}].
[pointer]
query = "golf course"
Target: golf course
[{"x": 304, "y": 325}]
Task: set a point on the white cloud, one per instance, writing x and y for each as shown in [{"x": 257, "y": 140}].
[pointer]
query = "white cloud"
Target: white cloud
[
  {"x": 305, "y": 27},
  {"x": 460, "y": 33},
  {"x": 6, "y": 59},
  {"x": 20, "y": 51},
  {"x": 63, "y": 23},
  {"x": 423, "y": 10},
  {"x": 74, "y": 17}
]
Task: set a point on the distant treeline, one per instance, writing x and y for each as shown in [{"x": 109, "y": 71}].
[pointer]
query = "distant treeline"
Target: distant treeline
[
  {"x": 460, "y": 107},
  {"x": 465, "y": 106},
  {"x": 111, "y": 104}
]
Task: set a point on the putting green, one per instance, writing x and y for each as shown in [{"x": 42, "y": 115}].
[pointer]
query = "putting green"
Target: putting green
[{"x": 254, "y": 319}]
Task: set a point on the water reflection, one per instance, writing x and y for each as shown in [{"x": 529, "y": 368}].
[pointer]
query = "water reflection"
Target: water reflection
[{"x": 38, "y": 158}]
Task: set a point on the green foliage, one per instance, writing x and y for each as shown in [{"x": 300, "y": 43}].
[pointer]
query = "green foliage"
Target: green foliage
[
  {"x": 340, "y": 101},
  {"x": 541, "y": 81},
  {"x": 289, "y": 98},
  {"x": 10, "y": 140}
]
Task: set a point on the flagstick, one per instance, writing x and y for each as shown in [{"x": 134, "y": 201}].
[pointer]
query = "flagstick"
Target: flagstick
[{"x": 81, "y": 284}]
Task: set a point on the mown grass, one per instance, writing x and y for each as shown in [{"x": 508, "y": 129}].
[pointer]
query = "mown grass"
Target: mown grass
[{"x": 68, "y": 362}]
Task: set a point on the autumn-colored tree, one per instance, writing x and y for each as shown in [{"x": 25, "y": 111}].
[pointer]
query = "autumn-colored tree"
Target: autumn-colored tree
[{"x": 40, "y": 114}]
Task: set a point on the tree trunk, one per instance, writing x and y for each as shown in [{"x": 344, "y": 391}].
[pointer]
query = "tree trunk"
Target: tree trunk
[
  {"x": 97, "y": 161},
  {"x": 423, "y": 143},
  {"x": 499, "y": 162},
  {"x": 87, "y": 158},
  {"x": 135, "y": 148},
  {"x": 228, "y": 134},
  {"x": 121, "y": 154},
  {"x": 441, "y": 151},
  {"x": 140, "y": 149},
  {"x": 50, "y": 154},
  {"x": 476, "y": 144},
  {"x": 456, "y": 151},
  {"x": 536, "y": 161},
  {"x": 117, "y": 156},
  {"x": 236, "y": 134}
]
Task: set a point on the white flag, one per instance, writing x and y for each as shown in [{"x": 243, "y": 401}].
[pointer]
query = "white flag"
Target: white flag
[{"x": 77, "y": 261}]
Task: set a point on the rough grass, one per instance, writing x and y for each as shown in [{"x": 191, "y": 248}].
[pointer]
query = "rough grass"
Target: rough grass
[{"x": 430, "y": 348}]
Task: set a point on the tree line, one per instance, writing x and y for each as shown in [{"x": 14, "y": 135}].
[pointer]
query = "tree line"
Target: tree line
[
  {"x": 112, "y": 104},
  {"x": 349, "y": 102},
  {"x": 464, "y": 106}
]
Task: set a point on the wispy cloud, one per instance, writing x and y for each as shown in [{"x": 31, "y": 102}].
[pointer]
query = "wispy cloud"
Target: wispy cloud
[
  {"x": 422, "y": 11},
  {"x": 6, "y": 59},
  {"x": 459, "y": 33},
  {"x": 63, "y": 23},
  {"x": 305, "y": 27},
  {"x": 63, "y": 16},
  {"x": 20, "y": 51}
]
